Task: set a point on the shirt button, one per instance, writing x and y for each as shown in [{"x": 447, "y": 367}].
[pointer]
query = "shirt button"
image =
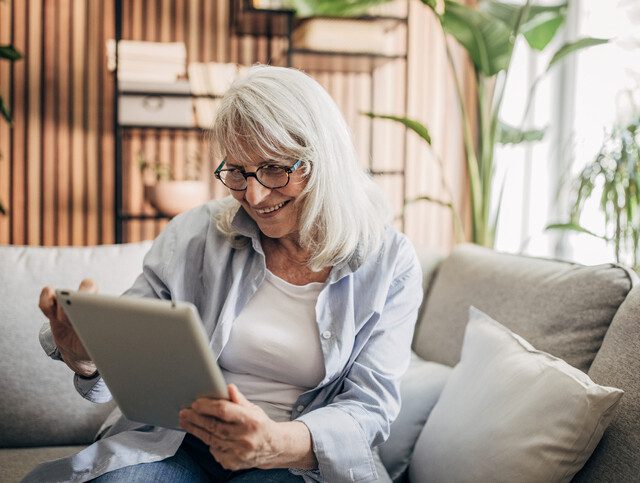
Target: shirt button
[
  {"x": 300, "y": 408},
  {"x": 326, "y": 334}
]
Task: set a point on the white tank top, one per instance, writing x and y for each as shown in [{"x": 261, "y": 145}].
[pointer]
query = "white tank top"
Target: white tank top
[{"x": 273, "y": 354}]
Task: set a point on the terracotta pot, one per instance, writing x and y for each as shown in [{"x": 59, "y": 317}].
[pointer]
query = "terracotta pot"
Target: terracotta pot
[{"x": 173, "y": 197}]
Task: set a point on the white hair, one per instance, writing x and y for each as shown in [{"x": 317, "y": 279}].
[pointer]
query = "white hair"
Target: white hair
[{"x": 282, "y": 113}]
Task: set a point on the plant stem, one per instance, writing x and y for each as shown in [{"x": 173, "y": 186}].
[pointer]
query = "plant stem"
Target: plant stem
[
  {"x": 472, "y": 160},
  {"x": 488, "y": 155}
]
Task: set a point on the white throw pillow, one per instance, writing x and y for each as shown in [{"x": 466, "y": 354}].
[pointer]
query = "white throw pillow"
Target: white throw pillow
[{"x": 511, "y": 413}]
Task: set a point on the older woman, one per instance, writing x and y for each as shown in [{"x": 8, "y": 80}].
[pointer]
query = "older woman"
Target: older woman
[{"x": 308, "y": 296}]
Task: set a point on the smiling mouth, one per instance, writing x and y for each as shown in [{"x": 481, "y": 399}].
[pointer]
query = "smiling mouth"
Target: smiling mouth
[{"x": 272, "y": 208}]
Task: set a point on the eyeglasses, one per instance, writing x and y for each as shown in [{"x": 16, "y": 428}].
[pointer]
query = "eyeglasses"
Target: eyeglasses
[{"x": 270, "y": 176}]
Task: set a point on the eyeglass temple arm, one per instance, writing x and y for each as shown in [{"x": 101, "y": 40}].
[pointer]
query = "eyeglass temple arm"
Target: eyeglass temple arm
[{"x": 217, "y": 171}]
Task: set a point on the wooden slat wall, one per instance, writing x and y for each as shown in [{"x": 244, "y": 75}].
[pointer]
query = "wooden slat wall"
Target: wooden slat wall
[{"x": 57, "y": 166}]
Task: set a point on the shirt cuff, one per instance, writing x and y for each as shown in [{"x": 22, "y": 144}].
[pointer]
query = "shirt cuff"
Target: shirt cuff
[
  {"x": 341, "y": 448},
  {"x": 92, "y": 388},
  {"x": 47, "y": 343}
]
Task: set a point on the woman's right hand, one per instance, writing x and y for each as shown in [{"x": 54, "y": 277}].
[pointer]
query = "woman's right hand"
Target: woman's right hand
[{"x": 71, "y": 348}]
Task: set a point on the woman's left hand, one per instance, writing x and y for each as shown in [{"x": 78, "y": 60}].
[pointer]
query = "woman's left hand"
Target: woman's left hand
[{"x": 239, "y": 434}]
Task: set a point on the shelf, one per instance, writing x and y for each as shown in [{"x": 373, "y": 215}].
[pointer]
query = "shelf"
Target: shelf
[
  {"x": 169, "y": 94},
  {"x": 140, "y": 216},
  {"x": 388, "y": 19},
  {"x": 374, "y": 172},
  {"x": 329, "y": 61},
  {"x": 247, "y": 20},
  {"x": 173, "y": 128}
]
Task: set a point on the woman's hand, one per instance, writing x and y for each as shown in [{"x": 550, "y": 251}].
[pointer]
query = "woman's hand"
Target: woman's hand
[
  {"x": 71, "y": 349},
  {"x": 239, "y": 434}
]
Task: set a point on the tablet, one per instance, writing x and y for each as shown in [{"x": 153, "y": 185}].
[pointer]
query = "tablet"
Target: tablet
[{"x": 154, "y": 355}]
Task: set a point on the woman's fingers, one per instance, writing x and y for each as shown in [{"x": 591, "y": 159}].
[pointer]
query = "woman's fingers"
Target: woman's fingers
[
  {"x": 88, "y": 285},
  {"x": 47, "y": 302},
  {"x": 211, "y": 425}
]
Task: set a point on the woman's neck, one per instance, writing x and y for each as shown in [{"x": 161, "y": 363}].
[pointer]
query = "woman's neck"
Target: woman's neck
[
  {"x": 288, "y": 247},
  {"x": 289, "y": 261}
]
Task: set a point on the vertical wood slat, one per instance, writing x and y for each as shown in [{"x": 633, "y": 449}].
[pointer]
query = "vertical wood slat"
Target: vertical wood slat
[
  {"x": 49, "y": 170},
  {"x": 94, "y": 52},
  {"x": 5, "y": 130},
  {"x": 34, "y": 119},
  {"x": 19, "y": 83},
  {"x": 79, "y": 146},
  {"x": 107, "y": 162},
  {"x": 63, "y": 120},
  {"x": 78, "y": 153}
]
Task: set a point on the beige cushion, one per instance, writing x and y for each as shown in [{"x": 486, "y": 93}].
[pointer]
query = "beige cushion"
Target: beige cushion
[
  {"x": 420, "y": 389},
  {"x": 617, "y": 457},
  {"x": 16, "y": 463},
  {"x": 509, "y": 412},
  {"x": 38, "y": 404},
  {"x": 561, "y": 308}
]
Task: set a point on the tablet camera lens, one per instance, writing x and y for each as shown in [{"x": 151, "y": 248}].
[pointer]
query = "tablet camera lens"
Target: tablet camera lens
[{"x": 68, "y": 302}]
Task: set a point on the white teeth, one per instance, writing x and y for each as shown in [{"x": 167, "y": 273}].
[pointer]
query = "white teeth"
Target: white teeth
[{"x": 273, "y": 208}]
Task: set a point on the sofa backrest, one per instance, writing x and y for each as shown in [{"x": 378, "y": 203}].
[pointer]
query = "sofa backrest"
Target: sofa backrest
[
  {"x": 38, "y": 403},
  {"x": 617, "y": 457},
  {"x": 559, "y": 307},
  {"x": 589, "y": 316}
]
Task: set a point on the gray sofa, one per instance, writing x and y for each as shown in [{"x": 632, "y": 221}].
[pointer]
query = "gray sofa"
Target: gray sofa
[{"x": 589, "y": 316}]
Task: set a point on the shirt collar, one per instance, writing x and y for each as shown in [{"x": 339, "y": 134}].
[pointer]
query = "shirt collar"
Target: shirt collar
[{"x": 246, "y": 226}]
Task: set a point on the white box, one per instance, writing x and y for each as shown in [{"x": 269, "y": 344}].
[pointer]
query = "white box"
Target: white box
[
  {"x": 345, "y": 36},
  {"x": 155, "y": 110}
]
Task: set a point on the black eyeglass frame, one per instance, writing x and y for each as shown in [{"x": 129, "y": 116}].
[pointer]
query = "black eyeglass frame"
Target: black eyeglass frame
[{"x": 246, "y": 175}]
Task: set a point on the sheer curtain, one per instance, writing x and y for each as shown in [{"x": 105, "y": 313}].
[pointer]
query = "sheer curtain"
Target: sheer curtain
[{"x": 576, "y": 102}]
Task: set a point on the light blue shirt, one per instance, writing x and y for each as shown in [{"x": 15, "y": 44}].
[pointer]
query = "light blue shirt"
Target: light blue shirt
[{"x": 365, "y": 314}]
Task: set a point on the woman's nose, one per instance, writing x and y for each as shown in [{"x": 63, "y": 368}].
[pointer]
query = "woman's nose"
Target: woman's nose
[{"x": 255, "y": 192}]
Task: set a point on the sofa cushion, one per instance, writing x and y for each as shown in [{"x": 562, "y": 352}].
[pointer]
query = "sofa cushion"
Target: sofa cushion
[
  {"x": 39, "y": 405},
  {"x": 420, "y": 389},
  {"x": 15, "y": 463},
  {"x": 511, "y": 413},
  {"x": 561, "y": 308},
  {"x": 617, "y": 457}
]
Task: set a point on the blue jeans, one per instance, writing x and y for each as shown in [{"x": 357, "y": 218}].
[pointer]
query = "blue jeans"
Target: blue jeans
[{"x": 194, "y": 464}]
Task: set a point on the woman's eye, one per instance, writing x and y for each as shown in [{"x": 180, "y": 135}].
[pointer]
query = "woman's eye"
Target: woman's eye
[{"x": 272, "y": 168}]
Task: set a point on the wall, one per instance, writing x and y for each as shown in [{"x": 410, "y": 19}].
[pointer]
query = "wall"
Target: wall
[{"x": 57, "y": 165}]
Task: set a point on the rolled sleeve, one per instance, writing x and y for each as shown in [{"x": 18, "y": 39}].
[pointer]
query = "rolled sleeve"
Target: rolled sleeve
[
  {"x": 47, "y": 342},
  {"x": 334, "y": 429},
  {"x": 93, "y": 389},
  {"x": 359, "y": 418}
]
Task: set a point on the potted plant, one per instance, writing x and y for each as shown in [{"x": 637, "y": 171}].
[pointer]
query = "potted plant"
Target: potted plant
[
  {"x": 615, "y": 170},
  {"x": 171, "y": 196},
  {"x": 11, "y": 54},
  {"x": 487, "y": 31}
]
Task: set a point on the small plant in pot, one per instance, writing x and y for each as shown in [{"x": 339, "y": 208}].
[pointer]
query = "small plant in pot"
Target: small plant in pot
[
  {"x": 614, "y": 177},
  {"x": 171, "y": 196}
]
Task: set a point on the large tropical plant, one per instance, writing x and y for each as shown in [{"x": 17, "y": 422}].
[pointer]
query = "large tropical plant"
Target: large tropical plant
[
  {"x": 487, "y": 32},
  {"x": 11, "y": 54},
  {"x": 616, "y": 171}
]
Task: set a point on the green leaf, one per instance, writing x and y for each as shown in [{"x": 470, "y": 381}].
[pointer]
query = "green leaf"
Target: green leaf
[
  {"x": 416, "y": 126},
  {"x": 573, "y": 227},
  {"x": 512, "y": 135},
  {"x": 4, "y": 111},
  {"x": 487, "y": 39},
  {"x": 9, "y": 52},
  {"x": 433, "y": 5},
  {"x": 540, "y": 30},
  {"x": 508, "y": 13},
  {"x": 333, "y": 8},
  {"x": 430, "y": 200},
  {"x": 571, "y": 47}
]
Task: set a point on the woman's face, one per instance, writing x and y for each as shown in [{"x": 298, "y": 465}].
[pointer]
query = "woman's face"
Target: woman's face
[{"x": 259, "y": 201}]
